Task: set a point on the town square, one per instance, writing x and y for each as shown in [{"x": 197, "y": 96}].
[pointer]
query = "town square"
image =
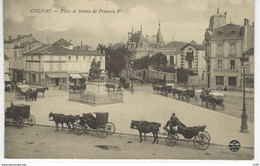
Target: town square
[{"x": 142, "y": 91}]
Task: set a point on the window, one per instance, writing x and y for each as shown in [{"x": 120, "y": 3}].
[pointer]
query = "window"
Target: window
[
  {"x": 232, "y": 81},
  {"x": 31, "y": 57},
  {"x": 29, "y": 48},
  {"x": 15, "y": 54},
  {"x": 219, "y": 80},
  {"x": 232, "y": 65},
  {"x": 69, "y": 57},
  {"x": 219, "y": 64},
  {"x": 77, "y": 58},
  {"x": 220, "y": 49},
  {"x": 232, "y": 50},
  {"x": 100, "y": 58},
  {"x": 39, "y": 57},
  {"x": 171, "y": 60}
]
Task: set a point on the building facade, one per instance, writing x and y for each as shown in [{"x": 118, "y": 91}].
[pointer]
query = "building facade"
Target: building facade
[
  {"x": 60, "y": 63},
  {"x": 14, "y": 49},
  {"x": 142, "y": 46},
  {"x": 225, "y": 44}
]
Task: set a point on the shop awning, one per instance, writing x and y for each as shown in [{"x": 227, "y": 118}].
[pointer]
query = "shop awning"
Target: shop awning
[
  {"x": 75, "y": 76},
  {"x": 85, "y": 75},
  {"x": 57, "y": 75},
  {"x": 7, "y": 78}
]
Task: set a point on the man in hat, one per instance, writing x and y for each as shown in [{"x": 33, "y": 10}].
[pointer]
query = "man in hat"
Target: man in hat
[{"x": 172, "y": 124}]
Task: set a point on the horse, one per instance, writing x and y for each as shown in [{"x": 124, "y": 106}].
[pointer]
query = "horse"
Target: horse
[
  {"x": 110, "y": 86},
  {"x": 176, "y": 91},
  {"x": 32, "y": 95},
  {"x": 146, "y": 127},
  {"x": 59, "y": 118},
  {"x": 42, "y": 90}
]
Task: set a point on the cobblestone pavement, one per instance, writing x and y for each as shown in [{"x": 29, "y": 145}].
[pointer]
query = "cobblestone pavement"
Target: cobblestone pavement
[{"x": 146, "y": 105}]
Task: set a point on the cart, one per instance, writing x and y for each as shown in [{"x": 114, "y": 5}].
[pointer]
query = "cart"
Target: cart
[
  {"x": 216, "y": 99},
  {"x": 18, "y": 115},
  {"x": 187, "y": 94},
  {"x": 199, "y": 136},
  {"x": 99, "y": 124}
]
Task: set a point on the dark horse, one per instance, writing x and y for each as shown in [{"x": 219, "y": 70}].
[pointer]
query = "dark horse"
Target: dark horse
[
  {"x": 176, "y": 91},
  {"x": 42, "y": 90},
  {"x": 61, "y": 118},
  {"x": 146, "y": 127}
]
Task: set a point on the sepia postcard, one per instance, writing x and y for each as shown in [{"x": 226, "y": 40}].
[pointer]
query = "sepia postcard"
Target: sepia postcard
[{"x": 128, "y": 80}]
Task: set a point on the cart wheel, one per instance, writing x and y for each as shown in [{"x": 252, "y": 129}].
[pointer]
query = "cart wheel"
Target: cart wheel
[
  {"x": 19, "y": 123},
  {"x": 222, "y": 107},
  {"x": 213, "y": 106},
  {"x": 78, "y": 129},
  {"x": 171, "y": 140},
  {"x": 196, "y": 98},
  {"x": 110, "y": 128},
  {"x": 86, "y": 129},
  {"x": 31, "y": 120},
  {"x": 206, "y": 134},
  {"x": 101, "y": 131},
  {"x": 201, "y": 141}
]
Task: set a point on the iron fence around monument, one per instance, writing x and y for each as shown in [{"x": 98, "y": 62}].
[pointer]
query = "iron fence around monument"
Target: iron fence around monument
[{"x": 92, "y": 98}]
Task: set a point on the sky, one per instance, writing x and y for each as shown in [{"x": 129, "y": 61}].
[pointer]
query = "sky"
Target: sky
[{"x": 181, "y": 20}]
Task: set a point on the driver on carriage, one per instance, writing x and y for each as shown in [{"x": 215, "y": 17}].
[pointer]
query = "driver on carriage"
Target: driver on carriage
[{"x": 172, "y": 124}]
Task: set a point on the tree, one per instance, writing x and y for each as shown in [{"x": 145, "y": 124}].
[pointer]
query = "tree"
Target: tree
[
  {"x": 158, "y": 61},
  {"x": 116, "y": 60},
  {"x": 142, "y": 63}
]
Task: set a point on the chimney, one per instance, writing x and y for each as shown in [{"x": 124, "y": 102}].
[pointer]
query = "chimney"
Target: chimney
[
  {"x": 81, "y": 43},
  {"x": 245, "y": 22},
  {"x": 10, "y": 37}
]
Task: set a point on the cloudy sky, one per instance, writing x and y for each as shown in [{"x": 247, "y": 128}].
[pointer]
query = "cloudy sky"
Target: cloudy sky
[{"x": 183, "y": 20}]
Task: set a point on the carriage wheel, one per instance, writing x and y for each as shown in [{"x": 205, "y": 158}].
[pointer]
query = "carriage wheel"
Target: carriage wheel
[
  {"x": 78, "y": 129},
  {"x": 201, "y": 141},
  {"x": 171, "y": 140},
  {"x": 31, "y": 120},
  {"x": 206, "y": 134},
  {"x": 196, "y": 98},
  {"x": 86, "y": 129},
  {"x": 19, "y": 123},
  {"x": 110, "y": 128},
  {"x": 101, "y": 131}
]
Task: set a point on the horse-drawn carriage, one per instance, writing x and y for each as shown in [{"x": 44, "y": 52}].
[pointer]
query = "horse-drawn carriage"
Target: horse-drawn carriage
[
  {"x": 18, "y": 115},
  {"x": 185, "y": 93},
  {"x": 198, "y": 134},
  {"x": 99, "y": 124},
  {"x": 216, "y": 99},
  {"x": 162, "y": 89}
]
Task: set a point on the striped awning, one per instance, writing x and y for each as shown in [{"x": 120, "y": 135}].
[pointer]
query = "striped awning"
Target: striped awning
[
  {"x": 57, "y": 75},
  {"x": 75, "y": 76},
  {"x": 7, "y": 78}
]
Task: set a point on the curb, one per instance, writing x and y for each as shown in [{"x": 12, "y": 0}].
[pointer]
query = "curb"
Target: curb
[{"x": 160, "y": 137}]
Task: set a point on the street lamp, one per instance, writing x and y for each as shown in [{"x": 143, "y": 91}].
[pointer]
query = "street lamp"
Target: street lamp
[
  {"x": 132, "y": 82},
  {"x": 244, "y": 127}
]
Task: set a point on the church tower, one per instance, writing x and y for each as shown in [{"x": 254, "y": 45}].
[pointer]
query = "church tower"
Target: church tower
[{"x": 159, "y": 37}]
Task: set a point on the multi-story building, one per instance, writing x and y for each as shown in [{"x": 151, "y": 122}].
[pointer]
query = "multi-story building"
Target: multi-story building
[
  {"x": 14, "y": 50},
  {"x": 142, "y": 46},
  {"x": 6, "y": 68},
  {"x": 189, "y": 56},
  {"x": 225, "y": 44},
  {"x": 59, "y": 63}
]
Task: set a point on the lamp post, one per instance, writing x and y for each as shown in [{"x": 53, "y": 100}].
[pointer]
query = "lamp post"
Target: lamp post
[
  {"x": 132, "y": 83},
  {"x": 244, "y": 127}
]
